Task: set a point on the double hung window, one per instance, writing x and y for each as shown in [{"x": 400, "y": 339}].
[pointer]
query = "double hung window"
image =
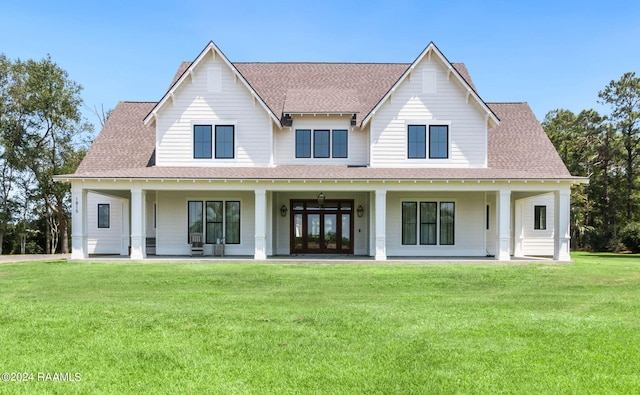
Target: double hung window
[
  {"x": 428, "y": 223},
  {"x": 435, "y": 142}
]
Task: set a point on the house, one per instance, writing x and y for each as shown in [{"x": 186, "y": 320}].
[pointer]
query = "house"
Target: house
[{"x": 365, "y": 159}]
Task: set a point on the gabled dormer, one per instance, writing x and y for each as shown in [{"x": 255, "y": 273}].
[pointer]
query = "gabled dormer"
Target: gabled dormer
[
  {"x": 212, "y": 117},
  {"x": 431, "y": 117}
]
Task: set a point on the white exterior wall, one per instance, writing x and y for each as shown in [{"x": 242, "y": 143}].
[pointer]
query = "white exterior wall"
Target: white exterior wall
[
  {"x": 172, "y": 219},
  {"x": 469, "y": 236},
  {"x": 447, "y": 106},
  {"x": 197, "y": 102},
  {"x": 357, "y": 139},
  {"x": 107, "y": 240},
  {"x": 528, "y": 240}
]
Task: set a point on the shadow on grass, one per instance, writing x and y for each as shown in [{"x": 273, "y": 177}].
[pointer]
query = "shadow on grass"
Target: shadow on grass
[{"x": 607, "y": 255}]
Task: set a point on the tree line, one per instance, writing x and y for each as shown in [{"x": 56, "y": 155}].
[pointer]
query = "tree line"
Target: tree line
[
  {"x": 606, "y": 149},
  {"x": 42, "y": 134}
]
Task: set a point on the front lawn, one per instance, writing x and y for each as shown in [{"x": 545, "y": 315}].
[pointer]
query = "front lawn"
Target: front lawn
[{"x": 263, "y": 328}]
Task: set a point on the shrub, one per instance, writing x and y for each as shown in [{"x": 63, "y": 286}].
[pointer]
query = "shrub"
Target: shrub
[{"x": 630, "y": 236}]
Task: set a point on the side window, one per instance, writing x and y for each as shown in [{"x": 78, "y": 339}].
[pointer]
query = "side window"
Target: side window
[
  {"x": 104, "y": 216},
  {"x": 540, "y": 217}
]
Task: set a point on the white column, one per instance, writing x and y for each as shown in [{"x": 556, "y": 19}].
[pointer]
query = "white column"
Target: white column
[
  {"x": 138, "y": 223},
  {"x": 79, "y": 247},
  {"x": 503, "y": 210},
  {"x": 260, "y": 224},
  {"x": 381, "y": 225},
  {"x": 562, "y": 202}
]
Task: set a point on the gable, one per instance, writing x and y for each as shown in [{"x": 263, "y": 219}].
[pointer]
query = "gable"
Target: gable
[
  {"x": 433, "y": 59},
  {"x": 212, "y": 51}
]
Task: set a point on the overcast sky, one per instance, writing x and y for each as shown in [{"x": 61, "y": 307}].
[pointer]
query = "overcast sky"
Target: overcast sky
[{"x": 551, "y": 54}]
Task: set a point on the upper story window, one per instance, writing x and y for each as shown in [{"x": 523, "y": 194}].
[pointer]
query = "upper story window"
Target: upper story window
[
  {"x": 204, "y": 142},
  {"x": 438, "y": 141},
  {"x": 325, "y": 143},
  {"x": 224, "y": 141}
]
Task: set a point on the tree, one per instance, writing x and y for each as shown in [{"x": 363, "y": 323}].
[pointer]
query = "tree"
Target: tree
[
  {"x": 43, "y": 131},
  {"x": 624, "y": 98}
]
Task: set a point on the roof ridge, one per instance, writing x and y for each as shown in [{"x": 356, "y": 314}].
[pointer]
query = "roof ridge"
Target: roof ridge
[{"x": 376, "y": 63}]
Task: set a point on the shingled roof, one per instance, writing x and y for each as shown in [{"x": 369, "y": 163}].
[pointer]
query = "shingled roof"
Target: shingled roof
[
  {"x": 518, "y": 149},
  {"x": 345, "y": 88}
]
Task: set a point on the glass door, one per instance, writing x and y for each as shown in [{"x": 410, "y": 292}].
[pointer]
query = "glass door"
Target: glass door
[{"x": 323, "y": 229}]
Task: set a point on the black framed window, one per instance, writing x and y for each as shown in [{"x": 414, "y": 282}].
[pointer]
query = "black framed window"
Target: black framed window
[
  {"x": 428, "y": 223},
  {"x": 320, "y": 143},
  {"x": 224, "y": 141},
  {"x": 202, "y": 141},
  {"x": 435, "y": 223},
  {"x": 416, "y": 141},
  {"x": 303, "y": 143},
  {"x": 488, "y": 216},
  {"x": 540, "y": 217},
  {"x": 339, "y": 143},
  {"x": 232, "y": 222},
  {"x": 194, "y": 215},
  {"x": 104, "y": 216},
  {"x": 409, "y": 216},
  {"x": 447, "y": 223},
  {"x": 438, "y": 141}
]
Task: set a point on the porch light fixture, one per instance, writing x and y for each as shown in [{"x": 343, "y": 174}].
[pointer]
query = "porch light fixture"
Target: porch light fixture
[
  {"x": 360, "y": 211},
  {"x": 321, "y": 199},
  {"x": 283, "y": 210}
]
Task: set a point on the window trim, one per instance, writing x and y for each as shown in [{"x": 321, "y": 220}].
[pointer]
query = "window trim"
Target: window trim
[
  {"x": 193, "y": 128},
  {"x": 428, "y": 156},
  {"x": 224, "y": 199},
  {"x": 98, "y": 222},
  {"x": 233, "y": 141},
  {"x": 308, "y": 149},
  {"x": 438, "y": 202},
  {"x": 431, "y": 156},
  {"x": 540, "y": 217},
  {"x": 316, "y": 132}
]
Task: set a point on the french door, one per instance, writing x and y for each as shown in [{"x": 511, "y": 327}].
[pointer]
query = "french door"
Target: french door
[{"x": 326, "y": 229}]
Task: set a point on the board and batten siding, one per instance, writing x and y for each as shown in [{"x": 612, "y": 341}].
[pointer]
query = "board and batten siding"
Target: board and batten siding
[
  {"x": 469, "y": 230},
  {"x": 357, "y": 141},
  {"x": 213, "y": 95},
  {"x": 171, "y": 232},
  {"x": 429, "y": 96},
  {"x": 530, "y": 241},
  {"x": 107, "y": 240}
]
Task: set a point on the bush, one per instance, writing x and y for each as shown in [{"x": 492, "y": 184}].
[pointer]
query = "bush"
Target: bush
[
  {"x": 630, "y": 236},
  {"x": 596, "y": 240}
]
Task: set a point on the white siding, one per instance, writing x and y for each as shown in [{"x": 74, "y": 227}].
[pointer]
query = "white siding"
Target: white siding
[
  {"x": 172, "y": 221},
  {"x": 285, "y": 141},
  {"x": 205, "y": 99},
  {"x": 448, "y": 105},
  {"x": 469, "y": 224},
  {"x": 107, "y": 240},
  {"x": 534, "y": 242}
]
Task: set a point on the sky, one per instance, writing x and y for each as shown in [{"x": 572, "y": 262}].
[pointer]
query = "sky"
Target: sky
[{"x": 551, "y": 54}]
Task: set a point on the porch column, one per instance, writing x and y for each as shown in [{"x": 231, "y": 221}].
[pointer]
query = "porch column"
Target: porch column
[
  {"x": 561, "y": 235},
  {"x": 503, "y": 210},
  {"x": 79, "y": 247},
  {"x": 381, "y": 225},
  {"x": 138, "y": 223},
  {"x": 260, "y": 224}
]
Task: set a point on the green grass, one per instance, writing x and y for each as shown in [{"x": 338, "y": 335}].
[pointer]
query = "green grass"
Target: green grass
[{"x": 247, "y": 328}]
